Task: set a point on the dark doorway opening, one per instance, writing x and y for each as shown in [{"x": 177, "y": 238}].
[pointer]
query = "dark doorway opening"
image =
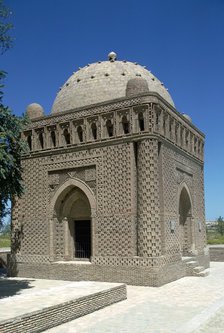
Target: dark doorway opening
[
  {"x": 82, "y": 239},
  {"x": 185, "y": 217}
]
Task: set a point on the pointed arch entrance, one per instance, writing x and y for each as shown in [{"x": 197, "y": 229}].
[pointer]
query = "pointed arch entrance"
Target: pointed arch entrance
[
  {"x": 185, "y": 221},
  {"x": 73, "y": 208}
]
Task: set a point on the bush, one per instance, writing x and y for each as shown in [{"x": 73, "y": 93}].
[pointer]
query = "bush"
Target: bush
[
  {"x": 220, "y": 225},
  {"x": 5, "y": 241}
]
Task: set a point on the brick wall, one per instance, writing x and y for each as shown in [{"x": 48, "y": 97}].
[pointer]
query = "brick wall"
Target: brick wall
[
  {"x": 177, "y": 170},
  {"x": 142, "y": 276},
  {"x": 216, "y": 253},
  {"x": 4, "y": 258}
]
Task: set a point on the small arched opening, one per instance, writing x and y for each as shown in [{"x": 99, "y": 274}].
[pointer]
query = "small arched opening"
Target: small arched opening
[
  {"x": 80, "y": 133},
  {"x": 125, "y": 125},
  {"x": 29, "y": 141},
  {"x": 94, "y": 131},
  {"x": 185, "y": 222},
  {"x": 41, "y": 140},
  {"x": 141, "y": 122},
  {"x": 67, "y": 136},
  {"x": 110, "y": 128},
  {"x": 53, "y": 139}
]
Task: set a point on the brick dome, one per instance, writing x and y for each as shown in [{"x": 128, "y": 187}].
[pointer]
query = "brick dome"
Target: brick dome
[
  {"x": 34, "y": 110},
  {"x": 105, "y": 81}
]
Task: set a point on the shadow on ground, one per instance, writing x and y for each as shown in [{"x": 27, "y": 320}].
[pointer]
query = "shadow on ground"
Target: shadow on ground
[{"x": 13, "y": 287}]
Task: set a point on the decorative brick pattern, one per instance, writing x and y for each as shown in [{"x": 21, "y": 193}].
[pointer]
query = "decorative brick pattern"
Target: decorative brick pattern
[
  {"x": 149, "y": 232},
  {"x": 133, "y": 275},
  {"x": 33, "y": 258},
  {"x": 114, "y": 226},
  {"x": 87, "y": 112},
  {"x": 135, "y": 261},
  {"x": 191, "y": 175},
  {"x": 90, "y": 174},
  {"x": 117, "y": 179},
  {"x": 127, "y": 181},
  {"x": 34, "y": 209},
  {"x": 115, "y": 236}
]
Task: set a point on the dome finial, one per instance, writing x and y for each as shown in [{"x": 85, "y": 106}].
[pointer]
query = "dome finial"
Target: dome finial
[{"x": 112, "y": 56}]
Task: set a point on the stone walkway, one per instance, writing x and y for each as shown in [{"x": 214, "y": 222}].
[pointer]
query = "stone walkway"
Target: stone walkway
[
  {"x": 19, "y": 296},
  {"x": 215, "y": 324},
  {"x": 5, "y": 249},
  {"x": 189, "y": 305}
]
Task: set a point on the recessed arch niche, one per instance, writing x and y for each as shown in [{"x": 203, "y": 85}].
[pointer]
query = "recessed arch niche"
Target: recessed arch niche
[
  {"x": 73, "y": 207},
  {"x": 185, "y": 221}
]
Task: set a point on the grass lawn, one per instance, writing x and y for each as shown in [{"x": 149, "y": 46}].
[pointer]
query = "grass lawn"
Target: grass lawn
[
  {"x": 5, "y": 241},
  {"x": 214, "y": 237}
]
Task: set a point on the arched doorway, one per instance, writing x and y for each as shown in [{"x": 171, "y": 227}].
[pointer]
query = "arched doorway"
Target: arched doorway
[
  {"x": 73, "y": 205},
  {"x": 185, "y": 222}
]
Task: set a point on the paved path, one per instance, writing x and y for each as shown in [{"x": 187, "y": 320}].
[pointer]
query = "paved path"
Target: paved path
[
  {"x": 215, "y": 324},
  {"x": 191, "y": 304},
  {"x": 20, "y": 296},
  {"x": 5, "y": 249}
]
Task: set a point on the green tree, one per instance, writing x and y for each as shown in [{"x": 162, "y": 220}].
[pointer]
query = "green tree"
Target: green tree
[
  {"x": 220, "y": 225},
  {"x": 11, "y": 147},
  {"x": 5, "y": 38}
]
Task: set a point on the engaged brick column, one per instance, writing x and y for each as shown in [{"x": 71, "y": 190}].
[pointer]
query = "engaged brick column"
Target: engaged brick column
[{"x": 149, "y": 231}]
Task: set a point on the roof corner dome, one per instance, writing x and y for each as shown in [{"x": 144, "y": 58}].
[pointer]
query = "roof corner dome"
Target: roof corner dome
[
  {"x": 136, "y": 86},
  {"x": 34, "y": 110}
]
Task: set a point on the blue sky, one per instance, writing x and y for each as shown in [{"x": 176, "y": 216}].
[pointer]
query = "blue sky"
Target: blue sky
[{"x": 180, "y": 41}]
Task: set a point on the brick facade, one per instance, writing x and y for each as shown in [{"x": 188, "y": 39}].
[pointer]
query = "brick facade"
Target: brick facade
[{"x": 133, "y": 166}]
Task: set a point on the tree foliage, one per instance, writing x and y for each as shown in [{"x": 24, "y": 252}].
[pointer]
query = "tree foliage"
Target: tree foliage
[
  {"x": 220, "y": 225},
  {"x": 5, "y": 38},
  {"x": 11, "y": 147}
]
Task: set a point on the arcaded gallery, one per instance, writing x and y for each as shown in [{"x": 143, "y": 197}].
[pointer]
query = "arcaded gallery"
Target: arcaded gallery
[{"x": 114, "y": 183}]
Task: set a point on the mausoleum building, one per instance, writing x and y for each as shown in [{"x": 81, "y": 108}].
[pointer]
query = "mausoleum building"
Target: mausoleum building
[{"x": 114, "y": 183}]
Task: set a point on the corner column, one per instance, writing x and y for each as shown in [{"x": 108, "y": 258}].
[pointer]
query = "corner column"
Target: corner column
[{"x": 149, "y": 229}]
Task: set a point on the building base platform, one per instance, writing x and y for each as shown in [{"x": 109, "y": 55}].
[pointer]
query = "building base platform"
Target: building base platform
[{"x": 31, "y": 306}]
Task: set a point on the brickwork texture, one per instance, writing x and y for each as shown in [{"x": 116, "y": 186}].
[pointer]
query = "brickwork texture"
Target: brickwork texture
[{"x": 130, "y": 169}]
